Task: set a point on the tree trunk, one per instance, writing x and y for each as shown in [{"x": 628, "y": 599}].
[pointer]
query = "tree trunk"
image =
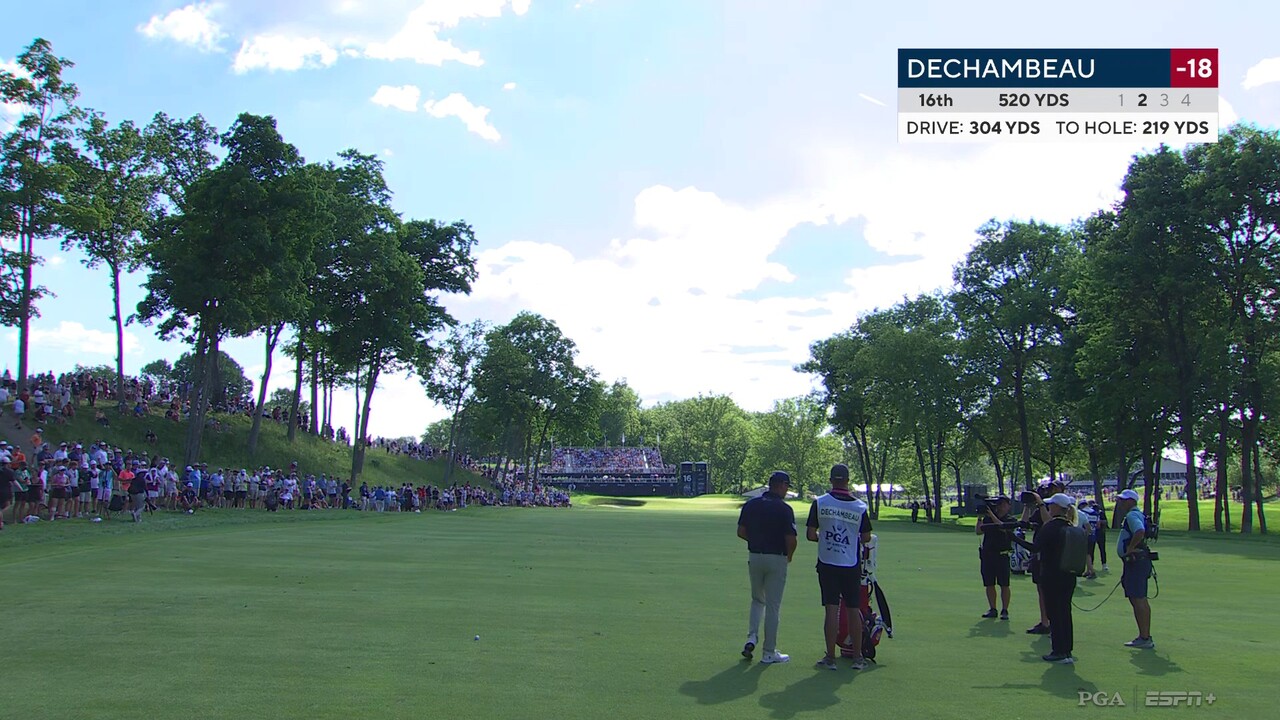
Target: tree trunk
[
  {"x": 924, "y": 474},
  {"x": 1095, "y": 472},
  {"x": 272, "y": 337},
  {"x": 542, "y": 439},
  {"x": 355, "y": 427},
  {"x": 115, "y": 299},
  {"x": 1246, "y": 473},
  {"x": 369, "y": 387},
  {"x": 1257, "y": 482},
  {"x": 301, "y": 350},
  {"x": 1189, "y": 443},
  {"x": 315, "y": 397},
  {"x": 1222, "y": 493},
  {"x": 207, "y": 367},
  {"x": 1023, "y": 432},
  {"x": 26, "y": 247}
]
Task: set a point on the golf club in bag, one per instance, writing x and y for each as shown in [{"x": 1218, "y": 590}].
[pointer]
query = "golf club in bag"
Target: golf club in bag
[
  {"x": 1020, "y": 558},
  {"x": 873, "y": 626}
]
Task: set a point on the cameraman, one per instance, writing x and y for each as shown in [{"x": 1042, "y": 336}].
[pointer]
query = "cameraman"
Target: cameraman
[
  {"x": 1133, "y": 550},
  {"x": 997, "y": 542},
  {"x": 1036, "y": 514},
  {"x": 1056, "y": 585}
]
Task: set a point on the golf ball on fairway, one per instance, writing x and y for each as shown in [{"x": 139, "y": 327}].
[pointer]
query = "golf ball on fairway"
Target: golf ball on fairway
[{"x": 477, "y": 637}]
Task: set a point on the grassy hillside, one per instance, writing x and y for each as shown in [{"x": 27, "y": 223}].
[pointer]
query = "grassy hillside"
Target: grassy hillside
[{"x": 228, "y": 447}]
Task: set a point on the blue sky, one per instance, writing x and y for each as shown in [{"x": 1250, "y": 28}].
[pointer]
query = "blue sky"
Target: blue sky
[{"x": 694, "y": 191}]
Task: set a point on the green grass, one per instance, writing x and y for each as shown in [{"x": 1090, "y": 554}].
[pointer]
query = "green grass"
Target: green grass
[
  {"x": 228, "y": 447},
  {"x": 596, "y": 611}
]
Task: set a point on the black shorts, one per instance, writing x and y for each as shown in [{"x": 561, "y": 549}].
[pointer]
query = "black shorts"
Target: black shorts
[
  {"x": 34, "y": 494},
  {"x": 838, "y": 582},
  {"x": 995, "y": 569},
  {"x": 61, "y": 493},
  {"x": 1135, "y": 577},
  {"x": 1033, "y": 569},
  {"x": 228, "y": 494},
  {"x": 242, "y": 494}
]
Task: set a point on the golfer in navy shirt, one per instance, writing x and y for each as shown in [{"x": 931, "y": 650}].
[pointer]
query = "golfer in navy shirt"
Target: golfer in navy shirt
[{"x": 768, "y": 524}]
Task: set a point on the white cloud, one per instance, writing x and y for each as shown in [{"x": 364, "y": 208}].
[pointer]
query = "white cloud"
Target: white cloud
[
  {"x": 191, "y": 25},
  {"x": 74, "y": 338},
  {"x": 404, "y": 97},
  {"x": 473, "y": 116},
  {"x": 871, "y": 100},
  {"x": 509, "y": 86},
  {"x": 386, "y": 153},
  {"x": 419, "y": 38},
  {"x": 1263, "y": 73},
  {"x": 1226, "y": 114},
  {"x": 694, "y": 254},
  {"x": 56, "y": 261},
  {"x": 283, "y": 52}
]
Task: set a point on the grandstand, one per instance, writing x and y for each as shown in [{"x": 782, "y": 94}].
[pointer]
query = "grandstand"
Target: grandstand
[{"x": 612, "y": 471}]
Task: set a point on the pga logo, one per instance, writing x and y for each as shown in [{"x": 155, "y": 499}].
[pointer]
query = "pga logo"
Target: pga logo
[{"x": 1099, "y": 699}]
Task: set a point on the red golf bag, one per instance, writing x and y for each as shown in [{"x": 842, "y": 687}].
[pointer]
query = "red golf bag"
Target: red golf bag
[{"x": 873, "y": 625}]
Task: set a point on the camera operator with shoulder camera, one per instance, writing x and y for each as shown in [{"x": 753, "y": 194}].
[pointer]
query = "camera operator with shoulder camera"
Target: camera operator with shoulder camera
[
  {"x": 1137, "y": 557},
  {"x": 996, "y": 526},
  {"x": 1035, "y": 515},
  {"x": 1056, "y": 585}
]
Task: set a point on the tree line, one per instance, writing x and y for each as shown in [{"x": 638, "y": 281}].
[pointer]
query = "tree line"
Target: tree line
[
  {"x": 1090, "y": 348},
  {"x": 239, "y": 236},
  {"x": 516, "y": 391}
]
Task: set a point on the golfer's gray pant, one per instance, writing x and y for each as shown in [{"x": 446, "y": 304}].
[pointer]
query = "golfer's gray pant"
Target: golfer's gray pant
[
  {"x": 768, "y": 580},
  {"x": 138, "y": 505}
]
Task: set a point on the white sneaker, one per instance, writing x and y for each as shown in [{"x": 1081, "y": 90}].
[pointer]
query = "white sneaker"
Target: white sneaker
[
  {"x": 771, "y": 658},
  {"x": 860, "y": 664}
]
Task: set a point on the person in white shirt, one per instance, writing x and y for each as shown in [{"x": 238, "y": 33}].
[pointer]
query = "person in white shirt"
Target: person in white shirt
[{"x": 839, "y": 523}]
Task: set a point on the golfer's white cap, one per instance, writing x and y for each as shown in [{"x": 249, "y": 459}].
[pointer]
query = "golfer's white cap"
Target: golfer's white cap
[
  {"x": 1128, "y": 495},
  {"x": 1062, "y": 500}
]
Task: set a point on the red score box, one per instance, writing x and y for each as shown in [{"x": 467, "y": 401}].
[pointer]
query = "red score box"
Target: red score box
[{"x": 1192, "y": 68}]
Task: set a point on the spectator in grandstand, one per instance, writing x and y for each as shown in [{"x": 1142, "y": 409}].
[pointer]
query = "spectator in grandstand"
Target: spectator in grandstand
[{"x": 768, "y": 525}]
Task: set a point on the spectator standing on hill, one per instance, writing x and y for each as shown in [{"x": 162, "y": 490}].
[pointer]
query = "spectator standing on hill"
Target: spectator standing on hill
[
  {"x": 839, "y": 523},
  {"x": 768, "y": 524}
]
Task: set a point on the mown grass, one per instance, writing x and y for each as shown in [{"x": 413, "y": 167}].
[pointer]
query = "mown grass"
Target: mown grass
[{"x": 600, "y": 610}]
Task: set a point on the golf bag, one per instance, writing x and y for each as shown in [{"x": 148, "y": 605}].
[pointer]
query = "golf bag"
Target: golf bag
[
  {"x": 116, "y": 504},
  {"x": 1020, "y": 558},
  {"x": 873, "y": 626}
]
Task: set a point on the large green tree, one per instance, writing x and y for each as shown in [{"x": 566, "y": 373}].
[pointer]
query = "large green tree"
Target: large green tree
[
  {"x": 35, "y": 174},
  {"x": 451, "y": 379},
  {"x": 1009, "y": 303},
  {"x": 111, "y": 202}
]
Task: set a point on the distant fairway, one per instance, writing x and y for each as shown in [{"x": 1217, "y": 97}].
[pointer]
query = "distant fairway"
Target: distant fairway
[{"x": 599, "y": 611}]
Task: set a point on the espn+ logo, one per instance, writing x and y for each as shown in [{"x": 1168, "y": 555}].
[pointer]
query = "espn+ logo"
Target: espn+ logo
[{"x": 1154, "y": 698}]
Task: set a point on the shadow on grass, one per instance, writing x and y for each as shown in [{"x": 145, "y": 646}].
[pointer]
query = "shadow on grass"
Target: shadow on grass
[
  {"x": 1149, "y": 663},
  {"x": 991, "y": 628},
  {"x": 738, "y": 680},
  {"x": 1063, "y": 681},
  {"x": 814, "y": 693}
]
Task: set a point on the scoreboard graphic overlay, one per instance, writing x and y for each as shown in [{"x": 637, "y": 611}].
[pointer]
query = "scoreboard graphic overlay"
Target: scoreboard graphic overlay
[{"x": 1099, "y": 95}]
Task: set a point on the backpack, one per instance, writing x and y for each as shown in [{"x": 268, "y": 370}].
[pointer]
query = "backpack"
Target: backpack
[{"x": 1075, "y": 550}]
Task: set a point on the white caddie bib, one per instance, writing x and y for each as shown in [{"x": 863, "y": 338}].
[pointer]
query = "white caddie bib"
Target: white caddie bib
[{"x": 838, "y": 523}]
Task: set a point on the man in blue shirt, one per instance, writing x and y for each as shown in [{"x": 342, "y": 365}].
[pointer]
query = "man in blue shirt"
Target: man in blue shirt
[
  {"x": 768, "y": 524},
  {"x": 1132, "y": 549}
]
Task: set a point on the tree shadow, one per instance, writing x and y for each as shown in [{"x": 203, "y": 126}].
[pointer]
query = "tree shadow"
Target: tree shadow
[
  {"x": 814, "y": 693},
  {"x": 991, "y": 628},
  {"x": 1149, "y": 663},
  {"x": 739, "y": 680}
]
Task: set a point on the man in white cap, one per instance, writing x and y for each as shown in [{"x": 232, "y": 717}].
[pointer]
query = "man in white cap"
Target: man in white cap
[
  {"x": 1132, "y": 549},
  {"x": 1057, "y": 585}
]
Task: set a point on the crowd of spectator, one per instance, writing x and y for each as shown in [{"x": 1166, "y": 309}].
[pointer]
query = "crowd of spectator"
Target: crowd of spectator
[
  {"x": 95, "y": 480},
  {"x": 608, "y": 460}
]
